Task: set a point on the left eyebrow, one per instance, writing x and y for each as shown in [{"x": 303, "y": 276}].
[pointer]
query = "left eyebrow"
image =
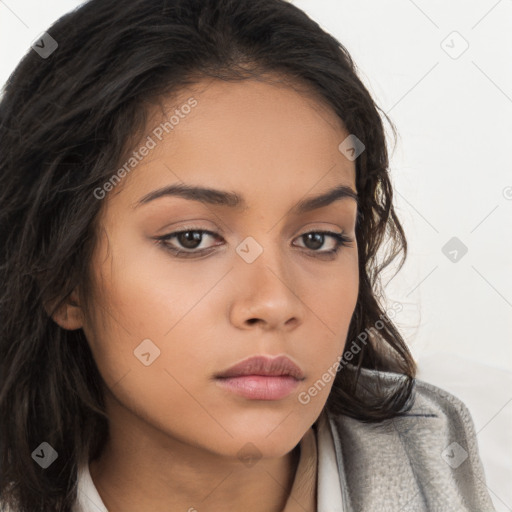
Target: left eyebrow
[
  {"x": 325, "y": 199},
  {"x": 233, "y": 200}
]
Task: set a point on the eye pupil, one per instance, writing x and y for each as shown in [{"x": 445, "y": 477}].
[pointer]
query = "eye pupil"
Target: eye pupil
[
  {"x": 190, "y": 239},
  {"x": 317, "y": 238}
]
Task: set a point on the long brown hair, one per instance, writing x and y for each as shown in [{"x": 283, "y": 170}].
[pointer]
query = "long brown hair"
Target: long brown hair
[{"x": 64, "y": 124}]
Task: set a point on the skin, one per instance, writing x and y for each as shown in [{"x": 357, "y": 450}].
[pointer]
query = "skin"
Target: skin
[{"x": 175, "y": 435}]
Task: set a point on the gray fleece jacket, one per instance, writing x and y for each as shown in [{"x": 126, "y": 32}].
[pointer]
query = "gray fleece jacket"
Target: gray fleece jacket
[{"x": 424, "y": 461}]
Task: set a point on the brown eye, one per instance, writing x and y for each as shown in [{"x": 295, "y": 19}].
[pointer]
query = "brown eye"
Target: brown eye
[
  {"x": 186, "y": 243},
  {"x": 314, "y": 240},
  {"x": 189, "y": 239}
]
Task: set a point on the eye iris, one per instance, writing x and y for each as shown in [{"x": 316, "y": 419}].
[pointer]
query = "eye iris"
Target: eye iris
[
  {"x": 317, "y": 238},
  {"x": 190, "y": 239}
]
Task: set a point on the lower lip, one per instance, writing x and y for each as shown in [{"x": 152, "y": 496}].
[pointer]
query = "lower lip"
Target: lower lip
[{"x": 260, "y": 387}]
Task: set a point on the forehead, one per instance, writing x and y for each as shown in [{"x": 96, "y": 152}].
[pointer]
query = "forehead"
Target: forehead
[{"x": 251, "y": 135}]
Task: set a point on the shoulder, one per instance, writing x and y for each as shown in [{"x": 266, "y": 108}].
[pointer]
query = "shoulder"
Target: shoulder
[
  {"x": 426, "y": 458},
  {"x": 441, "y": 403},
  {"x": 435, "y": 409},
  {"x": 431, "y": 408}
]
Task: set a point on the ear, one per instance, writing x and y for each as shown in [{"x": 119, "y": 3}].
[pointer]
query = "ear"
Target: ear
[{"x": 69, "y": 314}]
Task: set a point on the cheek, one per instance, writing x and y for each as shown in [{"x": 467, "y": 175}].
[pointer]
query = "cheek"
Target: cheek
[
  {"x": 151, "y": 338},
  {"x": 145, "y": 293},
  {"x": 333, "y": 298},
  {"x": 144, "y": 333},
  {"x": 332, "y": 307},
  {"x": 154, "y": 361}
]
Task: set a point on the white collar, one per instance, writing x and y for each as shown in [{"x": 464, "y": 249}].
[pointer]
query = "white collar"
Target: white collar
[
  {"x": 328, "y": 482},
  {"x": 88, "y": 499}
]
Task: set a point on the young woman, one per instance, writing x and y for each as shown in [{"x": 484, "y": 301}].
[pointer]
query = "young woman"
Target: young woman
[{"x": 193, "y": 195}]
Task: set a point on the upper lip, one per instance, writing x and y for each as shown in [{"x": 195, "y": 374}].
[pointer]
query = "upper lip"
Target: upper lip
[{"x": 263, "y": 365}]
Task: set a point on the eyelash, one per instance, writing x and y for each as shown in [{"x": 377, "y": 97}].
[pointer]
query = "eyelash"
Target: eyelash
[{"x": 341, "y": 239}]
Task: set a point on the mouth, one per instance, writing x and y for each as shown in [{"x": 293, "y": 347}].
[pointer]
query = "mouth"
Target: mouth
[
  {"x": 262, "y": 378},
  {"x": 260, "y": 387}
]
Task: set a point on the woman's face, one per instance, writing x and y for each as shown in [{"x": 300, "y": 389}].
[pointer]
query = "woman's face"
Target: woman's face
[{"x": 246, "y": 281}]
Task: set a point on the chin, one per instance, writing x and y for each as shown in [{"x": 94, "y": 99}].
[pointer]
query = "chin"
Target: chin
[{"x": 266, "y": 439}]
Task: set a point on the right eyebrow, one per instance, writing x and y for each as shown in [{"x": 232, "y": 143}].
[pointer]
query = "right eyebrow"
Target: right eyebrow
[{"x": 193, "y": 193}]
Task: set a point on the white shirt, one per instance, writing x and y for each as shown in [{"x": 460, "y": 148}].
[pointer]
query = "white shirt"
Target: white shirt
[{"x": 328, "y": 482}]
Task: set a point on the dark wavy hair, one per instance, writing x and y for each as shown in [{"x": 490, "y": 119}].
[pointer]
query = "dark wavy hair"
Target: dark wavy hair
[{"x": 65, "y": 122}]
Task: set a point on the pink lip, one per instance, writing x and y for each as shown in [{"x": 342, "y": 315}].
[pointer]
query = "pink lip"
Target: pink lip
[
  {"x": 260, "y": 387},
  {"x": 262, "y": 378}
]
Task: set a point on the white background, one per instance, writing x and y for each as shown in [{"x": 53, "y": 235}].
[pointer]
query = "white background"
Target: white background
[{"x": 452, "y": 175}]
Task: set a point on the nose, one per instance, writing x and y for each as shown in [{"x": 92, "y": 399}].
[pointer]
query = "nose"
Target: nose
[{"x": 267, "y": 294}]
